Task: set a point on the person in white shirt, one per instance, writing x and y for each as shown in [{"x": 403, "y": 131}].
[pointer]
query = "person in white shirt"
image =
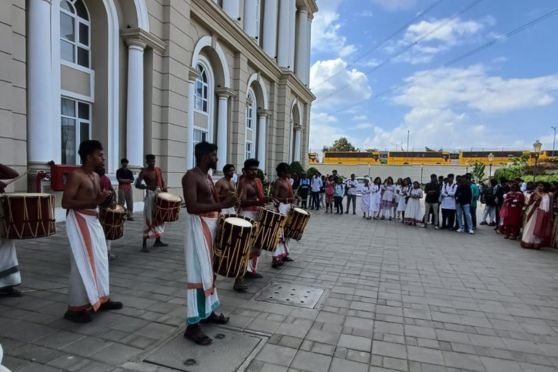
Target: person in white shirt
[
  {"x": 351, "y": 187},
  {"x": 315, "y": 186},
  {"x": 448, "y": 203}
]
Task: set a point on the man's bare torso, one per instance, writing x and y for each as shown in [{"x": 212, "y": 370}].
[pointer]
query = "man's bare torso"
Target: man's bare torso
[
  {"x": 224, "y": 187},
  {"x": 150, "y": 178},
  {"x": 89, "y": 185}
]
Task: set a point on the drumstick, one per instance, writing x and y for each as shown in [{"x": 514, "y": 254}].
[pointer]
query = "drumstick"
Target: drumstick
[{"x": 15, "y": 179}]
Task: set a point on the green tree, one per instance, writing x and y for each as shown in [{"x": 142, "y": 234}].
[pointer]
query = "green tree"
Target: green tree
[
  {"x": 310, "y": 172},
  {"x": 341, "y": 144},
  {"x": 296, "y": 169},
  {"x": 478, "y": 171}
]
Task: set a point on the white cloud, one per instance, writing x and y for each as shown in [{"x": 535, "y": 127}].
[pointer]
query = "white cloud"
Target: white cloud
[
  {"x": 330, "y": 76},
  {"x": 393, "y": 5},
  {"x": 436, "y": 36},
  {"x": 363, "y": 126},
  {"x": 324, "y": 130},
  {"x": 445, "y": 106},
  {"x": 445, "y": 87},
  {"x": 326, "y": 35}
]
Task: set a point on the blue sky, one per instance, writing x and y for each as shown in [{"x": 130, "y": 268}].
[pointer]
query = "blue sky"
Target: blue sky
[{"x": 373, "y": 86}]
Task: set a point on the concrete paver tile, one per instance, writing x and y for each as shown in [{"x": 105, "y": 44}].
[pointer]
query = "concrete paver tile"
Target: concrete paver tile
[
  {"x": 343, "y": 365},
  {"x": 276, "y": 354},
  {"x": 311, "y": 361}
]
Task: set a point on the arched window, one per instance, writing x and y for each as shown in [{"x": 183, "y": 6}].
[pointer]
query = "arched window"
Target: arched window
[
  {"x": 250, "y": 125},
  {"x": 75, "y": 33},
  {"x": 201, "y": 92}
]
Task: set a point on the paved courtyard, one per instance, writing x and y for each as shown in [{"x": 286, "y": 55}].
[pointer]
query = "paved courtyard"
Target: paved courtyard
[{"x": 396, "y": 298}]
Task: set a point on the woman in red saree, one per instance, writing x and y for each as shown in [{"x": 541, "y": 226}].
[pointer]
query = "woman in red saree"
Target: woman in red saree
[
  {"x": 511, "y": 212},
  {"x": 538, "y": 228}
]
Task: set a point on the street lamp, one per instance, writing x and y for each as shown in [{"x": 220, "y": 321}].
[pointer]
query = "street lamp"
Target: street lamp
[
  {"x": 537, "y": 147},
  {"x": 490, "y": 160}
]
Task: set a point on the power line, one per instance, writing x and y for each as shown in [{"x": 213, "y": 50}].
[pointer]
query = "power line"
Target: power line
[
  {"x": 409, "y": 46},
  {"x": 391, "y": 36},
  {"x": 476, "y": 50}
]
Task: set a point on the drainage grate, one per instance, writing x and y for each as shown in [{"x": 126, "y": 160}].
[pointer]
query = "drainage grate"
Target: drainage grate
[
  {"x": 230, "y": 351},
  {"x": 291, "y": 294}
]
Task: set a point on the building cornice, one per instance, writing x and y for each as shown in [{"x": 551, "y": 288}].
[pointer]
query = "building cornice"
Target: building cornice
[
  {"x": 138, "y": 35},
  {"x": 289, "y": 78},
  {"x": 214, "y": 18}
]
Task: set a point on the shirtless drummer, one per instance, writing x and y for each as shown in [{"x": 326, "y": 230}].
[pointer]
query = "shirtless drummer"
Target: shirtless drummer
[
  {"x": 225, "y": 186},
  {"x": 89, "y": 271},
  {"x": 154, "y": 183},
  {"x": 252, "y": 199},
  {"x": 200, "y": 228}
]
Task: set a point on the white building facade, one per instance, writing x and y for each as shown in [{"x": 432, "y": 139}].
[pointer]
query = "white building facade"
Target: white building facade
[{"x": 155, "y": 77}]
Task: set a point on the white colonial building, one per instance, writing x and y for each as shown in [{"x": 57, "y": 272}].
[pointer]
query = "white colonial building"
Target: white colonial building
[{"x": 154, "y": 76}]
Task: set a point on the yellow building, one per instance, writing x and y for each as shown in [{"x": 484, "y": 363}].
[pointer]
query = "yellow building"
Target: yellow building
[
  {"x": 418, "y": 157},
  {"x": 351, "y": 157},
  {"x": 544, "y": 156},
  {"x": 499, "y": 157},
  {"x": 313, "y": 158}
]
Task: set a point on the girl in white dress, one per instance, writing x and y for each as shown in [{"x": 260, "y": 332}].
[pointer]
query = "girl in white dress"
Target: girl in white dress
[
  {"x": 387, "y": 199},
  {"x": 402, "y": 200},
  {"x": 365, "y": 200},
  {"x": 375, "y": 198},
  {"x": 414, "y": 212}
]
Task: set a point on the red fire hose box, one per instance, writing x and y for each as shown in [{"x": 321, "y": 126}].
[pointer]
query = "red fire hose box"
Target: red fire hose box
[{"x": 59, "y": 175}]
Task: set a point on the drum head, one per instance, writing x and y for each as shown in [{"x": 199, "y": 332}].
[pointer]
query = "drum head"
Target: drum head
[
  {"x": 117, "y": 209},
  {"x": 168, "y": 196},
  {"x": 301, "y": 211},
  {"x": 238, "y": 222}
]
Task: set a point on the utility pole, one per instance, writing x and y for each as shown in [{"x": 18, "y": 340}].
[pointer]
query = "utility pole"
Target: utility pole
[
  {"x": 408, "y": 132},
  {"x": 554, "y": 140}
]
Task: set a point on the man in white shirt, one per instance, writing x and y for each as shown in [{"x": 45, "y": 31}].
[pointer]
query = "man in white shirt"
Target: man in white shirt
[
  {"x": 315, "y": 186},
  {"x": 352, "y": 187},
  {"x": 448, "y": 203}
]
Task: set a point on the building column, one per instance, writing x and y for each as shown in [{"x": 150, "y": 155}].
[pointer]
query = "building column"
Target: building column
[
  {"x": 308, "y": 49},
  {"x": 292, "y": 38},
  {"x": 262, "y": 137},
  {"x": 42, "y": 131},
  {"x": 222, "y": 127},
  {"x": 270, "y": 28},
  {"x": 190, "y": 158},
  {"x": 134, "y": 109},
  {"x": 251, "y": 17},
  {"x": 287, "y": 9},
  {"x": 297, "y": 143},
  {"x": 232, "y": 8},
  {"x": 301, "y": 44}
]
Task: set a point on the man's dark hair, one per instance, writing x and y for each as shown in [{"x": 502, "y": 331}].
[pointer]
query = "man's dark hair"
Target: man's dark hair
[
  {"x": 251, "y": 163},
  {"x": 203, "y": 149},
  {"x": 87, "y": 148},
  {"x": 227, "y": 168},
  {"x": 433, "y": 176},
  {"x": 124, "y": 160},
  {"x": 450, "y": 175},
  {"x": 149, "y": 157},
  {"x": 282, "y": 168}
]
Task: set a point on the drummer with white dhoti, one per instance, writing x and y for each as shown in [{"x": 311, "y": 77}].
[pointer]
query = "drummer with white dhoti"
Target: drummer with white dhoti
[
  {"x": 252, "y": 199},
  {"x": 283, "y": 197},
  {"x": 154, "y": 183},
  {"x": 89, "y": 273},
  {"x": 10, "y": 276}
]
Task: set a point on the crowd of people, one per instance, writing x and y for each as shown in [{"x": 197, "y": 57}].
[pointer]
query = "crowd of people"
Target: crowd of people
[{"x": 515, "y": 209}]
